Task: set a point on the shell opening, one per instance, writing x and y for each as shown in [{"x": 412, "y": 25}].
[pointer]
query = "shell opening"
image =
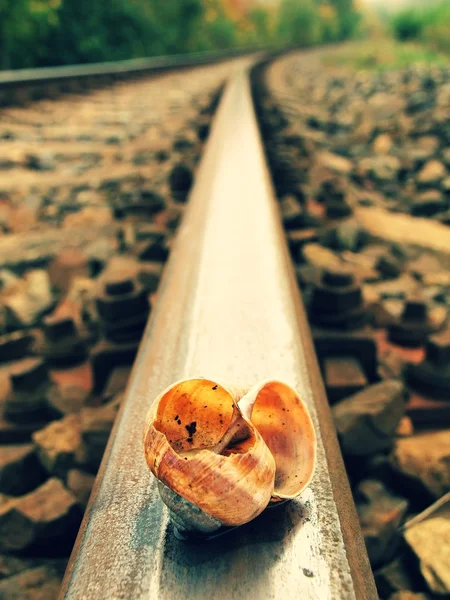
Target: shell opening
[
  {"x": 199, "y": 414},
  {"x": 286, "y": 427},
  {"x": 228, "y": 454},
  {"x": 199, "y": 446}
]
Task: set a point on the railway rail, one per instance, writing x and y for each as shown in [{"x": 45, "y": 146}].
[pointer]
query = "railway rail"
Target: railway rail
[
  {"x": 24, "y": 85},
  {"x": 281, "y": 200},
  {"x": 229, "y": 309}
]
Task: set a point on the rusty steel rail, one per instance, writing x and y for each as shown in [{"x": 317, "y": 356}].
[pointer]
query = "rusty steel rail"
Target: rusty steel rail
[
  {"x": 228, "y": 309},
  {"x": 37, "y": 82},
  {"x": 122, "y": 67}
]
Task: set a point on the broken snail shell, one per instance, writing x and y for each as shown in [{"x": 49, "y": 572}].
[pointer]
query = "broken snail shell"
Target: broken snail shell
[{"x": 222, "y": 455}]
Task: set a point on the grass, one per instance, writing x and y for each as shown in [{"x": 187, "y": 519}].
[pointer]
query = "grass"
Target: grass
[
  {"x": 383, "y": 53},
  {"x": 428, "y": 23}
]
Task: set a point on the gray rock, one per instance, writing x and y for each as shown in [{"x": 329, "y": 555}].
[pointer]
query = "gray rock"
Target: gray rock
[
  {"x": 99, "y": 252},
  {"x": 68, "y": 264},
  {"x": 89, "y": 217},
  {"x": 389, "y": 266},
  {"x": 380, "y": 513},
  {"x": 350, "y": 236},
  {"x": 96, "y": 425},
  {"x": 446, "y": 157},
  {"x": 67, "y": 399},
  {"x": 429, "y": 142},
  {"x": 150, "y": 274},
  {"x": 80, "y": 484},
  {"x": 334, "y": 163},
  {"x": 366, "y": 422},
  {"x": 430, "y": 542},
  {"x": 11, "y": 565},
  {"x": 26, "y": 306},
  {"x": 20, "y": 471},
  {"x": 406, "y": 595},
  {"x": 425, "y": 265},
  {"x": 116, "y": 383},
  {"x": 432, "y": 173},
  {"x": 384, "y": 105},
  {"x": 58, "y": 445},
  {"x": 380, "y": 168},
  {"x": 428, "y": 203},
  {"x": 425, "y": 457},
  {"x": 419, "y": 101},
  {"x": 7, "y": 163},
  {"x": 445, "y": 186},
  {"x": 397, "y": 576},
  {"x": 382, "y": 143},
  {"x": 292, "y": 212},
  {"x": 42, "y": 162},
  {"x": 415, "y": 157},
  {"x": 46, "y": 518},
  {"x": 40, "y": 583},
  {"x": 320, "y": 257}
]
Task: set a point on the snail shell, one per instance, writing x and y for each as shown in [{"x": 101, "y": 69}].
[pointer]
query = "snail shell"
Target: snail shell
[{"x": 221, "y": 455}]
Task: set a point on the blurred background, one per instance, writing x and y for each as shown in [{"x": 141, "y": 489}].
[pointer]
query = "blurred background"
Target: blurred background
[{"x": 37, "y": 33}]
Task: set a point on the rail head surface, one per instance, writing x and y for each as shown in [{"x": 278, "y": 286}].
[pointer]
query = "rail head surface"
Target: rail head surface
[
  {"x": 228, "y": 309},
  {"x": 49, "y": 75}
]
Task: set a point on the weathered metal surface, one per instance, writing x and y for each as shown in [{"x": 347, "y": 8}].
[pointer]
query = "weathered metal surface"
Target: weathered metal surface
[
  {"x": 228, "y": 309},
  {"x": 21, "y": 77}
]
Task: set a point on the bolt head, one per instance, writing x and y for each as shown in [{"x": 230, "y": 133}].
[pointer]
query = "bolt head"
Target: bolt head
[
  {"x": 56, "y": 328},
  {"x": 438, "y": 348},
  {"x": 119, "y": 287},
  {"x": 415, "y": 310},
  {"x": 28, "y": 374},
  {"x": 337, "y": 278}
]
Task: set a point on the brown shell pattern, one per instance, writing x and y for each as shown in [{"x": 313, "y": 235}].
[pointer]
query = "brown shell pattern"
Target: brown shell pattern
[{"x": 227, "y": 452}]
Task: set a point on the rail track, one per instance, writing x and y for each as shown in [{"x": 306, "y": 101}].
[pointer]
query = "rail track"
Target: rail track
[
  {"x": 25, "y": 85},
  {"x": 227, "y": 307}
]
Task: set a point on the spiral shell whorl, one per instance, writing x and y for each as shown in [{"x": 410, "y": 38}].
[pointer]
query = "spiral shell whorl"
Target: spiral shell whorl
[{"x": 221, "y": 456}]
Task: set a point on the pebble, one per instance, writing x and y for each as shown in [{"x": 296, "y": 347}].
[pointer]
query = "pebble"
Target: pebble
[
  {"x": 27, "y": 305},
  {"x": 425, "y": 457},
  {"x": 395, "y": 577},
  {"x": 430, "y": 542},
  {"x": 46, "y": 518},
  {"x": 80, "y": 484},
  {"x": 39, "y": 583},
  {"x": 432, "y": 173},
  {"x": 366, "y": 422},
  {"x": 20, "y": 471},
  {"x": 318, "y": 256},
  {"x": 58, "y": 445},
  {"x": 380, "y": 514}
]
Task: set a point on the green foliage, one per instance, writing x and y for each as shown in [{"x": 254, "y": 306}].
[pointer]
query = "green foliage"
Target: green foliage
[
  {"x": 436, "y": 32},
  {"x": 306, "y": 22},
  {"x": 347, "y": 17},
  {"x": 380, "y": 54},
  {"x": 23, "y": 24},
  {"x": 37, "y": 33},
  {"x": 429, "y": 24},
  {"x": 299, "y": 22},
  {"x": 215, "y": 29},
  {"x": 407, "y": 24},
  {"x": 260, "y": 29}
]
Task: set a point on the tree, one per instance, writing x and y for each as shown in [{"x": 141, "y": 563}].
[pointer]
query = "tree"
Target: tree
[
  {"x": 298, "y": 22},
  {"x": 24, "y": 25},
  {"x": 347, "y": 17}
]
